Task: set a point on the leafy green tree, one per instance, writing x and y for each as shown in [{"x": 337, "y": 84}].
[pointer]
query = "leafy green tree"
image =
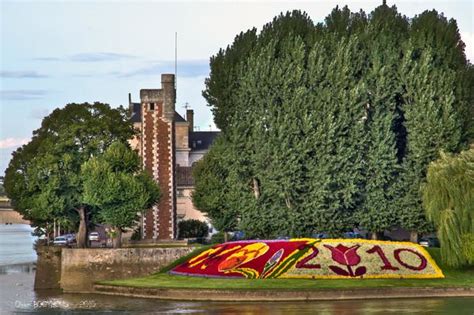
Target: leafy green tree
[
  {"x": 226, "y": 65},
  {"x": 114, "y": 184},
  {"x": 331, "y": 126},
  {"x": 343, "y": 22},
  {"x": 337, "y": 112},
  {"x": 192, "y": 228},
  {"x": 432, "y": 31},
  {"x": 448, "y": 198},
  {"x": 269, "y": 178},
  {"x": 44, "y": 178},
  {"x": 432, "y": 123},
  {"x": 211, "y": 190},
  {"x": 383, "y": 41},
  {"x": 221, "y": 83}
]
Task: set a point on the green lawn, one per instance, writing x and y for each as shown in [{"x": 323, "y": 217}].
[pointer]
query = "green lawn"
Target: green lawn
[{"x": 453, "y": 278}]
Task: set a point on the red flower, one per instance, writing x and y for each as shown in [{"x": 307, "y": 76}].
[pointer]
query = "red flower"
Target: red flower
[{"x": 344, "y": 255}]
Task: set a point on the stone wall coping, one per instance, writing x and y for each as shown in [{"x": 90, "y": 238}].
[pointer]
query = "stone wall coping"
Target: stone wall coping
[{"x": 281, "y": 295}]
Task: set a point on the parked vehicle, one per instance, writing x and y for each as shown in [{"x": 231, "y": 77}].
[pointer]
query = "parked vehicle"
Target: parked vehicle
[
  {"x": 71, "y": 238},
  {"x": 60, "y": 241},
  {"x": 94, "y": 236},
  {"x": 429, "y": 242},
  {"x": 65, "y": 240},
  {"x": 352, "y": 235}
]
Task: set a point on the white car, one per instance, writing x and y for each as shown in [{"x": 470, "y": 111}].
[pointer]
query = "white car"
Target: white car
[
  {"x": 60, "y": 241},
  {"x": 94, "y": 236},
  {"x": 65, "y": 240}
]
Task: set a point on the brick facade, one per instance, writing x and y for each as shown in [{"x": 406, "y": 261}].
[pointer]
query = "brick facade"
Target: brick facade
[
  {"x": 158, "y": 153},
  {"x": 168, "y": 146}
]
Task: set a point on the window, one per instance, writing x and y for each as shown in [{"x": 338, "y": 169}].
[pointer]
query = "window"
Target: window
[{"x": 151, "y": 106}]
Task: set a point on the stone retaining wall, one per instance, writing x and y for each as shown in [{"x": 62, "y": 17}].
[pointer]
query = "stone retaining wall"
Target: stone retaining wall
[
  {"x": 48, "y": 267},
  {"x": 76, "y": 270},
  {"x": 281, "y": 295}
]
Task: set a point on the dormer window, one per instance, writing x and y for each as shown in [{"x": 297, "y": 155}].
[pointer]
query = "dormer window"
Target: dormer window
[{"x": 151, "y": 106}]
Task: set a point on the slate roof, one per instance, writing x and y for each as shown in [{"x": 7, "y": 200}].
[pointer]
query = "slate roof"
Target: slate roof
[
  {"x": 136, "y": 113},
  {"x": 201, "y": 140},
  {"x": 178, "y": 117},
  {"x": 184, "y": 176}
]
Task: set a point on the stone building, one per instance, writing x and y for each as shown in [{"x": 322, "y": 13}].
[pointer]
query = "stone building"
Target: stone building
[{"x": 168, "y": 146}]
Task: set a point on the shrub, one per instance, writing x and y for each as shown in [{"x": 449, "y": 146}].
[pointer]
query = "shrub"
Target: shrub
[
  {"x": 217, "y": 238},
  {"x": 192, "y": 228}
]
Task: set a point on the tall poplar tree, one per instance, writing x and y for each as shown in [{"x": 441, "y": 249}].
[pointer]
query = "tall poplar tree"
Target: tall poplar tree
[
  {"x": 383, "y": 42},
  {"x": 335, "y": 160},
  {"x": 433, "y": 124},
  {"x": 331, "y": 126}
]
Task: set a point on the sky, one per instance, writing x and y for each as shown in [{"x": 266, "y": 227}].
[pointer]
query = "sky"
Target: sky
[{"x": 57, "y": 52}]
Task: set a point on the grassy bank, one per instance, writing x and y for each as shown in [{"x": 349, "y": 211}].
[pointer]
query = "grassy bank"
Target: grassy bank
[{"x": 453, "y": 278}]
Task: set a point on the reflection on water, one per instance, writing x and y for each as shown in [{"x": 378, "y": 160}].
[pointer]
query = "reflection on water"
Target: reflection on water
[
  {"x": 17, "y": 297},
  {"x": 55, "y": 303},
  {"x": 16, "y": 244},
  {"x": 19, "y": 268}
]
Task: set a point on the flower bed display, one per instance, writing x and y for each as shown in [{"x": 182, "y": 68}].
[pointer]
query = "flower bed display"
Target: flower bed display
[{"x": 314, "y": 259}]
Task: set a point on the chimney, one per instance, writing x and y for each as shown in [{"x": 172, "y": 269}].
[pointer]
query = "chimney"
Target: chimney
[
  {"x": 169, "y": 95},
  {"x": 190, "y": 119},
  {"x": 130, "y": 105}
]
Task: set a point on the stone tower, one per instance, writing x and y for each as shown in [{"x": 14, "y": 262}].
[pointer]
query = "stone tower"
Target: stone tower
[{"x": 158, "y": 154}]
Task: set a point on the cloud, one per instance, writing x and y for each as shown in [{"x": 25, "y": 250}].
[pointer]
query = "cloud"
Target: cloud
[
  {"x": 21, "y": 74},
  {"x": 99, "y": 56},
  {"x": 47, "y": 59},
  {"x": 89, "y": 57},
  {"x": 186, "y": 68},
  {"x": 18, "y": 95},
  {"x": 9, "y": 143}
]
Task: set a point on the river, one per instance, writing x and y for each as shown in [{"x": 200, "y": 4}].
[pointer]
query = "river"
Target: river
[{"x": 17, "y": 296}]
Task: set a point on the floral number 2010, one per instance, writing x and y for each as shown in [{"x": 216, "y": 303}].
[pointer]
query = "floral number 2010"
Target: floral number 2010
[{"x": 396, "y": 254}]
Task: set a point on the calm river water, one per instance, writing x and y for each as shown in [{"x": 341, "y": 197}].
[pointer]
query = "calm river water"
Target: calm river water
[{"x": 17, "y": 296}]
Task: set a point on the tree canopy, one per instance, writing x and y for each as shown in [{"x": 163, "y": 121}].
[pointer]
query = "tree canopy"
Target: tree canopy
[
  {"x": 114, "y": 183},
  {"x": 331, "y": 126},
  {"x": 44, "y": 178},
  {"x": 448, "y": 197}
]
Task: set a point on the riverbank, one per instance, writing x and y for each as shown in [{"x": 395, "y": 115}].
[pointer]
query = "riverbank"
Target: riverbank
[
  {"x": 281, "y": 295},
  {"x": 457, "y": 282},
  {"x": 17, "y": 296}
]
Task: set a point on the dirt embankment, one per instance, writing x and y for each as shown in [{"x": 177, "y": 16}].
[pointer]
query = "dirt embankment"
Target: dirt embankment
[{"x": 11, "y": 216}]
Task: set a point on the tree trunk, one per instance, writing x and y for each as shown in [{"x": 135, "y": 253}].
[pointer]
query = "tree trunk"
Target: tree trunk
[
  {"x": 256, "y": 188},
  {"x": 414, "y": 236},
  {"x": 374, "y": 236},
  {"x": 117, "y": 241},
  {"x": 226, "y": 237},
  {"x": 82, "y": 232}
]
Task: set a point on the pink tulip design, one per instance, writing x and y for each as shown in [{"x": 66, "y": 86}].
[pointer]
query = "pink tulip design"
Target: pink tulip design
[{"x": 346, "y": 256}]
